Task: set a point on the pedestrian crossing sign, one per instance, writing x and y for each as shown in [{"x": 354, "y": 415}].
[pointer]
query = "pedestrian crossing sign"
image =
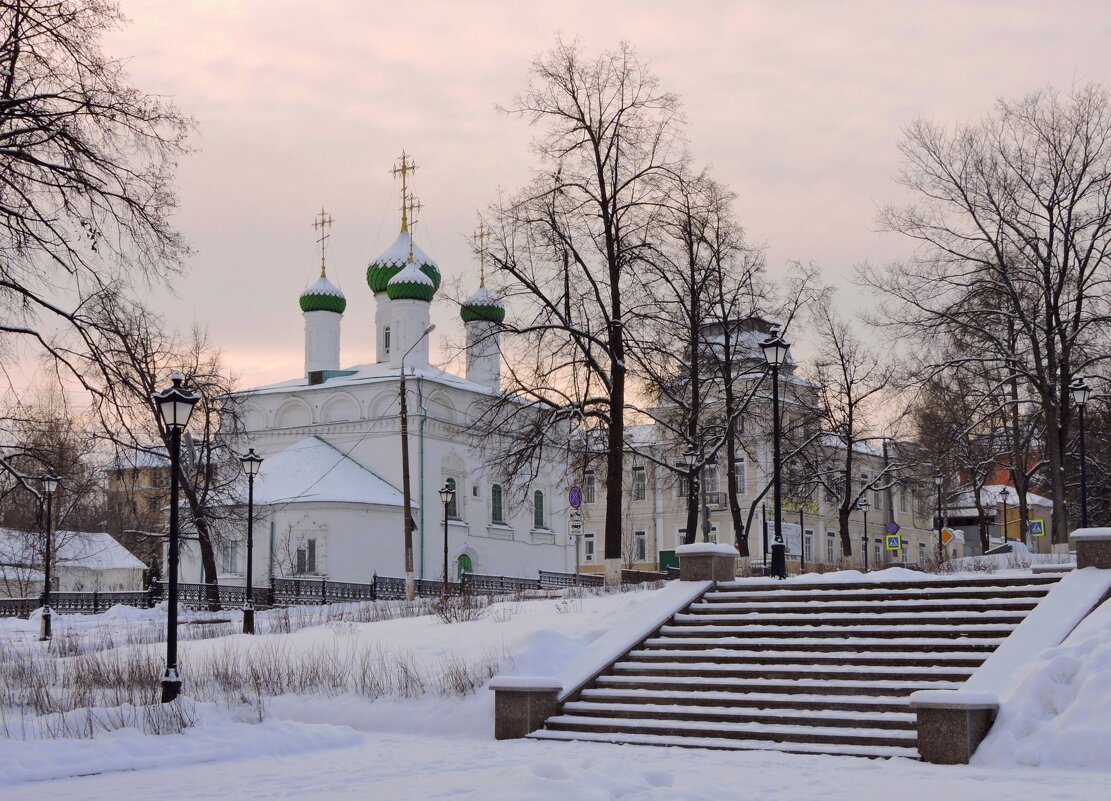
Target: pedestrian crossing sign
[
  {"x": 1037, "y": 528},
  {"x": 893, "y": 542}
]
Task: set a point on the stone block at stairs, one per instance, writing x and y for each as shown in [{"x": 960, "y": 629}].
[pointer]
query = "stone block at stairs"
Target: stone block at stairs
[
  {"x": 522, "y": 704},
  {"x": 707, "y": 561},
  {"x": 1093, "y": 547},
  {"x": 952, "y": 724}
]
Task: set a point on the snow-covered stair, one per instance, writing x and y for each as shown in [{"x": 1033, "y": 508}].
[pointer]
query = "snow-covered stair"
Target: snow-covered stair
[{"x": 811, "y": 668}]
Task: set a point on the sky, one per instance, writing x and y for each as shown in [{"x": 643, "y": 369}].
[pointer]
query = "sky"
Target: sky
[{"x": 797, "y": 106}]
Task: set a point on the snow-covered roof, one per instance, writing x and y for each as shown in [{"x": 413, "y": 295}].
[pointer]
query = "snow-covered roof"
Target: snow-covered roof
[
  {"x": 362, "y": 374},
  {"x": 152, "y": 456},
  {"x": 312, "y": 471},
  {"x": 93, "y": 550},
  {"x": 868, "y": 448},
  {"x": 397, "y": 254}
]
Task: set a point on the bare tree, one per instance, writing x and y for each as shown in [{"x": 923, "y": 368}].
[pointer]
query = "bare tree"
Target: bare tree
[
  {"x": 1012, "y": 216},
  {"x": 569, "y": 246},
  {"x": 129, "y": 358},
  {"x": 86, "y": 164}
]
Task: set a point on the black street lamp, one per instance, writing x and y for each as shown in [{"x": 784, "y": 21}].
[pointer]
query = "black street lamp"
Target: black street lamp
[
  {"x": 447, "y": 494},
  {"x": 251, "y": 464},
  {"x": 938, "y": 478},
  {"x": 410, "y": 579},
  {"x": 1004, "y": 494},
  {"x": 1080, "y": 394},
  {"x": 49, "y": 486},
  {"x": 863, "y": 505},
  {"x": 775, "y": 354},
  {"x": 175, "y": 404},
  {"x": 690, "y": 459}
]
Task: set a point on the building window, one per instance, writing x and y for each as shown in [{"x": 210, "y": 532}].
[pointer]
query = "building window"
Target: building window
[
  {"x": 904, "y": 500},
  {"x": 808, "y": 545},
  {"x": 474, "y": 491},
  {"x": 640, "y": 483},
  {"x": 682, "y": 487},
  {"x": 904, "y": 546},
  {"x": 590, "y": 487},
  {"x": 463, "y": 565},
  {"x": 229, "y": 562},
  {"x": 877, "y": 499},
  {"x": 740, "y": 467},
  {"x": 921, "y": 553},
  {"x": 497, "y": 513},
  {"x": 877, "y": 549},
  {"x": 306, "y": 558},
  {"x": 386, "y": 340},
  {"x": 831, "y": 541},
  {"x": 538, "y": 510},
  {"x": 588, "y": 547},
  {"x": 453, "y": 504},
  {"x": 640, "y": 546},
  {"x": 710, "y": 478}
]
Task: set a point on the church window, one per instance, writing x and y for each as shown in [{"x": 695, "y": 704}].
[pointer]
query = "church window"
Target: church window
[
  {"x": 229, "y": 562},
  {"x": 464, "y": 564},
  {"x": 640, "y": 483},
  {"x": 538, "y": 509},
  {"x": 497, "y": 512},
  {"x": 386, "y": 340},
  {"x": 306, "y": 558},
  {"x": 453, "y": 504}
]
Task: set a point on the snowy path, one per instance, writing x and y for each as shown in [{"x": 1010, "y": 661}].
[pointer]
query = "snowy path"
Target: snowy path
[{"x": 399, "y": 768}]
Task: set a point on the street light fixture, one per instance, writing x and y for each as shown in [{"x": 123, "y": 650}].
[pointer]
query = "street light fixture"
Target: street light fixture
[
  {"x": 251, "y": 464},
  {"x": 175, "y": 404},
  {"x": 690, "y": 459},
  {"x": 938, "y": 479},
  {"x": 49, "y": 487},
  {"x": 1081, "y": 392},
  {"x": 863, "y": 505},
  {"x": 410, "y": 579},
  {"x": 1004, "y": 495},
  {"x": 447, "y": 494},
  {"x": 775, "y": 354}
]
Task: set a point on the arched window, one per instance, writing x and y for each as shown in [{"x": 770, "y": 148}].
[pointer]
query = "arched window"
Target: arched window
[
  {"x": 464, "y": 565},
  {"x": 453, "y": 504},
  {"x": 386, "y": 340},
  {"x": 497, "y": 513},
  {"x": 538, "y": 509}
]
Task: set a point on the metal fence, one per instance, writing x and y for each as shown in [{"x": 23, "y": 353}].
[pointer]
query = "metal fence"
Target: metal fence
[{"x": 304, "y": 591}]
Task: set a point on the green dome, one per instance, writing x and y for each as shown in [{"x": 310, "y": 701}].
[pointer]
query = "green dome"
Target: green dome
[
  {"x": 382, "y": 269},
  {"x": 323, "y": 296},
  {"x": 482, "y": 306},
  {"x": 411, "y": 284}
]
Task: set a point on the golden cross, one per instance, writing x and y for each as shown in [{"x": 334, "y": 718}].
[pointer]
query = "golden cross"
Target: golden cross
[
  {"x": 406, "y": 166},
  {"x": 322, "y": 222},
  {"x": 413, "y": 207},
  {"x": 479, "y": 238}
]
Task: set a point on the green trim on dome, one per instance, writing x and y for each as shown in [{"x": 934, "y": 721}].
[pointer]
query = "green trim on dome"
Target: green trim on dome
[
  {"x": 433, "y": 272},
  {"x": 331, "y": 303},
  {"x": 378, "y": 275},
  {"x": 478, "y": 314},
  {"x": 408, "y": 290}
]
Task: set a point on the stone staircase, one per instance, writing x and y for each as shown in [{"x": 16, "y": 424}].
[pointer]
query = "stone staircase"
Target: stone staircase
[{"x": 807, "y": 668}]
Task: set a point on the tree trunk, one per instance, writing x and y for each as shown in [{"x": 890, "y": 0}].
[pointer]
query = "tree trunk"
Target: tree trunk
[
  {"x": 740, "y": 536},
  {"x": 615, "y": 459},
  {"x": 843, "y": 527}
]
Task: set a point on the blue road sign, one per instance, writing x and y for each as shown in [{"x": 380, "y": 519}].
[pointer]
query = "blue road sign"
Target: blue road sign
[
  {"x": 892, "y": 527},
  {"x": 893, "y": 542},
  {"x": 575, "y": 496}
]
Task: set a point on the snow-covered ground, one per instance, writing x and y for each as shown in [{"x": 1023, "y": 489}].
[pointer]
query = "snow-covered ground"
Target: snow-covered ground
[{"x": 417, "y": 738}]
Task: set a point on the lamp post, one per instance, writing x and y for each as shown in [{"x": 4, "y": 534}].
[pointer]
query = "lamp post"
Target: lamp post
[
  {"x": 175, "y": 404},
  {"x": 49, "y": 486},
  {"x": 251, "y": 464},
  {"x": 775, "y": 354},
  {"x": 938, "y": 478},
  {"x": 410, "y": 579},
  {"x": 863, "y": 505},
  {"x": 1004, "y": 494},
  {"x": 447, "y": 493},
  {"x": 1080, "y": 394},
  {"x": 690, "y": 459}
]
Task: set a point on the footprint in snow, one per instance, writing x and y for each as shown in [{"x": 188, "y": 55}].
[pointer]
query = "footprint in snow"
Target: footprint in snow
[
  {"x": 658, "y": 778},
  {"x": 548, "y": 770}
]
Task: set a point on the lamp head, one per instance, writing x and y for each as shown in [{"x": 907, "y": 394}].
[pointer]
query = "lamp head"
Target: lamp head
[
  {"x": 775, "y": 349},
  {"x": 1081, "y": 392},
  {"x": 176, "y": 403},
  {"x": 50, "y": 481},
  {"x": 447, "y": 492},
  {"x": 938, "y": 478},
  {"x": 251, "y": 463}
]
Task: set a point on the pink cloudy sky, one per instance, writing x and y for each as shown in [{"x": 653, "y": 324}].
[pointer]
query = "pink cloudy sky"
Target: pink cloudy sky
[{"x": 798, "y": 106}]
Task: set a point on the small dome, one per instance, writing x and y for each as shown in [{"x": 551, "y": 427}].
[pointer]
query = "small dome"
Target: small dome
[
  {"x": 482, "y": 306},
  {"x": 323, "y": 296},
  {"x": 411, "y": 284},
  {"x": 382, "y": 269}
]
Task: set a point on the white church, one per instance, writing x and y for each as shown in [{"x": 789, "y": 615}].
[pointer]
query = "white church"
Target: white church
[{"x": 328, "y": 496}]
